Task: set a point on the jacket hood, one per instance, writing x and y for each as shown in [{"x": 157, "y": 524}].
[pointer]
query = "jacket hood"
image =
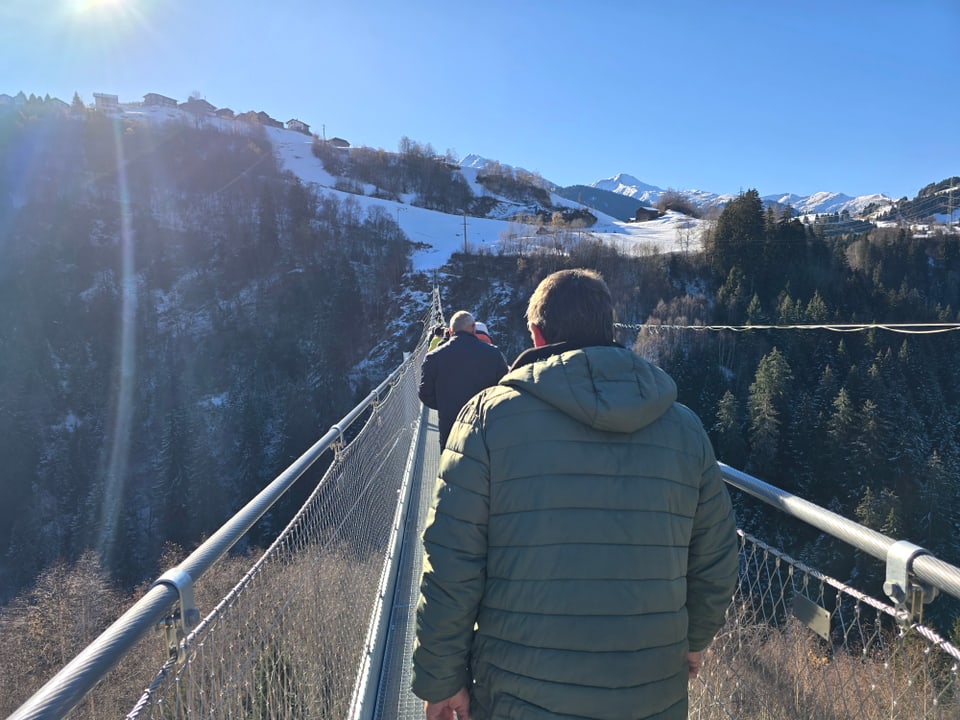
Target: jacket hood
[{"x": 607, "y": 388}]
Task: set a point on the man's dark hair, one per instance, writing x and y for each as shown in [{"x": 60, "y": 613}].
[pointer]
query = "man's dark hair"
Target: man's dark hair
[{"x": 573, "y": 306}]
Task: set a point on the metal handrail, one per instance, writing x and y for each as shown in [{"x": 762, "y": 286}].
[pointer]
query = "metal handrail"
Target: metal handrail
[
  {"x": 70, "y": 685},
  {"x": 926, "y": 568}
]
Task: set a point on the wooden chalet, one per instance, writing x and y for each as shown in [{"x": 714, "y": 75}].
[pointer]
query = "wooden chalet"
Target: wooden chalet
[
  {"x": 158, "y": 100},
  {"x": 298, "y": 125},
  {"x": 265, "y": 119},
  {"x": 198, "y": 106},
  {"x": 106, "y": 102},
  {"x": 645, "y": 213}
]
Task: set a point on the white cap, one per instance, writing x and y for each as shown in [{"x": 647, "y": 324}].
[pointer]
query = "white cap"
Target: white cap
[{"x": 480, "y": 327}]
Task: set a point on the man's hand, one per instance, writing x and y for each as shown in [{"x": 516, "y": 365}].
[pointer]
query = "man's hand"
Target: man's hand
[
  {"x": 694, "y": 660},
  {"x": 445, "y": 709}
]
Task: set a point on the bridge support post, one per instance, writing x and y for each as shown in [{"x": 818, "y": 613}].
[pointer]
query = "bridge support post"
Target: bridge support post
[
  {"x": 178, "y": 626},
  {"x": 908, "y": 594}
]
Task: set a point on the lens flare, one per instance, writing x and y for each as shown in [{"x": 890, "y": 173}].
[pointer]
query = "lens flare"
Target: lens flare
[
  {"x": 86, "y": 6},
  {"x": 101, "y": 13},
  {"x": 116, "y": 476}
]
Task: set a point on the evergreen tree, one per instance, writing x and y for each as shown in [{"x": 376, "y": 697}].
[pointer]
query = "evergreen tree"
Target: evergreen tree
[
  {"x": 937, "y": 509},
  {"x": 816, "y": 310},
  {"x": 755, "y": 314},
  {"x": 881, "y": 511},
  {"x": 768, "y": 411},
  {"x": 173, "y": 481},
  {"x": 731, "y": 297},
  {"x": 784, "y": 251},
  {"x": 801, "y": 443},
  {"x": 739, "y": 235},
  {"x": 727, "y": 435},
  {"x": 842, "y": 429}
]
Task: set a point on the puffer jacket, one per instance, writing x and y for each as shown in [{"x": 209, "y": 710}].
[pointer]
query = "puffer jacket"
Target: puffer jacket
[
  {"x": 581, "y": 541},
  {"x": 456, "y": 371}
]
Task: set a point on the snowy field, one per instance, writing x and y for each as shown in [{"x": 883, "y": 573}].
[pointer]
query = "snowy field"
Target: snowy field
[{"x": 444, "y": 234}]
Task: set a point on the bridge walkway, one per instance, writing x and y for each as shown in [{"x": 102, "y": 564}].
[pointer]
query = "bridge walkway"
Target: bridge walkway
[{"x": 395, "y": 701}]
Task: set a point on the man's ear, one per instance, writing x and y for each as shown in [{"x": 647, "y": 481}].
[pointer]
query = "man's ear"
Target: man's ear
[{"x": 538, "y": 339}]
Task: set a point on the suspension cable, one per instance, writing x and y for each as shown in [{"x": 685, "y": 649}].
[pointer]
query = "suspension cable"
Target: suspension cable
[{"x": 904, "y": 328}]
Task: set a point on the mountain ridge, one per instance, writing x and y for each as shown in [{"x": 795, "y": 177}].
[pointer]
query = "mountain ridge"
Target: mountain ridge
[
  {"x": 646, "y": 194},
  {"x": 822, "y": 202}
]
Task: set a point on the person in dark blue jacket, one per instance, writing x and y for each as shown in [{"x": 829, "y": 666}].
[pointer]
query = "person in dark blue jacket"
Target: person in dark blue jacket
[{"x": 457, "y": 370}]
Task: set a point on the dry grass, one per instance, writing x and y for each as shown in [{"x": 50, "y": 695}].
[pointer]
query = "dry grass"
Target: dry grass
[
  {"x": 291, "y": 639},
  {"x": 760, "y": 672}
]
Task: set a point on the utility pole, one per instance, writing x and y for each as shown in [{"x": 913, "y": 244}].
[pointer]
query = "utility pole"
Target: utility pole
[
  {"x": 464, "y": 232},
  {"x": 950, "y": 207}
]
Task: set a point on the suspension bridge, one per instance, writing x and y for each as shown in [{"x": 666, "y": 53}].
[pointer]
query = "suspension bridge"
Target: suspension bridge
[{"x": 321, "y": 623}]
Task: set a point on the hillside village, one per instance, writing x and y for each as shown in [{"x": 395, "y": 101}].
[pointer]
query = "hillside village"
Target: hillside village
[
  {"x": 108, "y": 103},
  {"x": 830, "y": 213}
]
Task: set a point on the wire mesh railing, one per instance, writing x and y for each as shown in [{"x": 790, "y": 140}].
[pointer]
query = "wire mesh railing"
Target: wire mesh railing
[
  {"x": 798, "y": 644},
  {"x": 290, "y": 639}
]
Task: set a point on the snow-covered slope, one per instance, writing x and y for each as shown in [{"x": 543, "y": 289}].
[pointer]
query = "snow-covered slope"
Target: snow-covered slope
[{"x": 438, "y": 235}]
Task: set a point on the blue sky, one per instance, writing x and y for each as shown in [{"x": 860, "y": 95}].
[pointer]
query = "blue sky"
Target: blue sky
[{"x": 845, "y": 96}]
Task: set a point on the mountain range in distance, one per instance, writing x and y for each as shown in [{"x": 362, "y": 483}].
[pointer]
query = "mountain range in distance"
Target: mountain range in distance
[
  {"x": 633, "y": 193},
  {"x": 818, "y": 203}
]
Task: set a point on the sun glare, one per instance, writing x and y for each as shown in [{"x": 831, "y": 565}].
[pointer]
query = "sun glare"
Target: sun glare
[
  {"x": 98, "y": 8},
  {"x": 95, "y": 5},
  {"x": 114, "y": 16}
]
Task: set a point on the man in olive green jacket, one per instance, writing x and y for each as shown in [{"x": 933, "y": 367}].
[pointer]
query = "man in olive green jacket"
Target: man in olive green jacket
[{"x": 581, "y": 551}]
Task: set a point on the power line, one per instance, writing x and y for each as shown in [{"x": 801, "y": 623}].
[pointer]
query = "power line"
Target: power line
[{"x": 904, "y": 328}]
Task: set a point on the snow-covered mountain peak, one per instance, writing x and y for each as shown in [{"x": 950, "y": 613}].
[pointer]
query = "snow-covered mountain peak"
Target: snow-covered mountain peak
[
  {"x": 817, "y": 203},
  {"x": 624, "y": 184},
  {"x": 474, "y": 161}
]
